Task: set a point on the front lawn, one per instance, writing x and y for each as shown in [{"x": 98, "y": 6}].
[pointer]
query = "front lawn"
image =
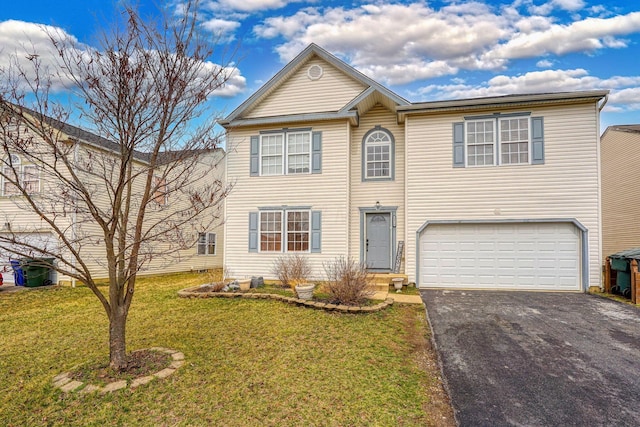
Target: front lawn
[{"x": 248, "y": 362}]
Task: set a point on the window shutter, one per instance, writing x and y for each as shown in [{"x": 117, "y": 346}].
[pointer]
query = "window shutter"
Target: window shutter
[
  {"x": 316, "y": 231},
  {"x": 255, "y": 156},
  {"x": 537, "y": 140},
  {"x": 253, "y": 231},
  {"x": 458, "y": 145},
  {"x": 316, "y": 152}
]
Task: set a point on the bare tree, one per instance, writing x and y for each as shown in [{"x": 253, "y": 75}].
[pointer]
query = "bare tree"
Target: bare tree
[{"x": 137, "y": 194}]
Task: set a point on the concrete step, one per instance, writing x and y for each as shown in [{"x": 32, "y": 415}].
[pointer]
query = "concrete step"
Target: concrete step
[{"x": 383, "y": 280}]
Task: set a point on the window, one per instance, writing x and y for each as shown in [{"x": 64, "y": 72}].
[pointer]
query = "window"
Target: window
[
  {"x": 298, "y": 149},
  {"x": 514, "y": 140},
  {"x": 271, "y": 154},
  {"x": 377, "y": 153},
  {"x": 207, "y": 244},
  {"x": 271, "y": 231},
  {"x": 28, "y": 176},
  {"x": 480, "y": 142},
  {"x": 285, "y": 230},
  {"x": 160, "y": 195},
  {"x": 276, "y": 158},
  {"x": 294, "y": 231},
  {"x": 297, "y": 231},
  {"x": 289, "y": 152},
  {"x": 498, "y": 140}
]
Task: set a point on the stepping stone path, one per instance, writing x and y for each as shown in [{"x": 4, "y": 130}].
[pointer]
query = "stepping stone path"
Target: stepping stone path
[{"x": 67, "y": 384}]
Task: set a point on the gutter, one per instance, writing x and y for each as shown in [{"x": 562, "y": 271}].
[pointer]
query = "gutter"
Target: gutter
[{"x": 604, "y": 102}]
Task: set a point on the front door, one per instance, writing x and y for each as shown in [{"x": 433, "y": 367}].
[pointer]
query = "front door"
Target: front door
[{"x": 378, "y": 241}]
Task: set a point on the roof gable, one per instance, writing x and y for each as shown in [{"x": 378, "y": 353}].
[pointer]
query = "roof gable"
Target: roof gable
[
  {"x": 304, "y": 92},
  {"x": 308, "y": 56}
]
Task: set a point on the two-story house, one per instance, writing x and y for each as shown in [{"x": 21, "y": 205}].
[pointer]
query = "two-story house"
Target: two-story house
[
  {"x": 18, "y": 222},
  {"x": 498, "y": 193}
]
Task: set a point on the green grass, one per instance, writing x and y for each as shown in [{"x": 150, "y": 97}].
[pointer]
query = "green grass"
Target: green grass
[{"x": 248, "y": 362}]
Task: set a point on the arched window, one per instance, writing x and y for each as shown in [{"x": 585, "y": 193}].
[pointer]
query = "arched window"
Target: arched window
[
  {"x": 378, "y": 155},
  {"x": 27, "y": 175}
]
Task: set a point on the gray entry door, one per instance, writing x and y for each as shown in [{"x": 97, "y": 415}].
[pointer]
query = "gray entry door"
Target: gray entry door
[{"x": 378, "y": 241}]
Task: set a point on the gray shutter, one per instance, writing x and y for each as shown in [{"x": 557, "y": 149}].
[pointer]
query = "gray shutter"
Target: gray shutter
[
  {"x": 316, "y": 152},
  {"x": 253, "y": 231},
  {"x": 458, "y": 145},
  {"x": 316, "y": 231},
  {"x": 537, "y": 140},
  {"x": 255, "y": 156}
]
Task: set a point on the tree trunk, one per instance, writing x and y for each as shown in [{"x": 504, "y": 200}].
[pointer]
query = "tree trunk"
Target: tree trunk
[{"x": 117, "y": 346}]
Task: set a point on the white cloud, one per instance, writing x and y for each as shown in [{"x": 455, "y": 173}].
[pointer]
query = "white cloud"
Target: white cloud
[
  {"x": 247, "y": 5},
  {"x": 21, "y": 41},
  {"x": 583, "y": 36},
  {"x": 235, "y": 84},
  {"x": 544, "y": 63},
  {"x": 547, "y": 8},
  {"x": 395, "y": 43},
  {"x": 401, "y": 43},
  {"x": 625, "y": 90},
  {"x": 222, "y": 28}
]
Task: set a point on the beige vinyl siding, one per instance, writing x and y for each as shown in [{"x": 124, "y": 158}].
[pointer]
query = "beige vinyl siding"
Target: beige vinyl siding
[
  {"x": 366, "y": 194},
  {"x": 324, "y": 192},
  {"x": 620, "y": 158},
  {"x": 299, "y": 94},
  {"x": 184, "y": 260},
  {"x": 566, "y": 186}
]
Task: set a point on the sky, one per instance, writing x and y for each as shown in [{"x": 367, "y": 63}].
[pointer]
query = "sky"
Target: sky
[{"x": 422, "y": 50}]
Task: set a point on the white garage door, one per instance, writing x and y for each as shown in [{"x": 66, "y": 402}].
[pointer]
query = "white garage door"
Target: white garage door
[{"x": 522, "y": 256}]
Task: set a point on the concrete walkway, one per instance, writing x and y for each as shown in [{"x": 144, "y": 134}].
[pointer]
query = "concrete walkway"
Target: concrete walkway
[
  {"x": 398, "y": 297},
  {"x": 537, "y": 359}
]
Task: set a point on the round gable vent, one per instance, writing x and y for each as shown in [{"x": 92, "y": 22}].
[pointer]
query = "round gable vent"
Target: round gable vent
[{"x": 314, "y": 72}]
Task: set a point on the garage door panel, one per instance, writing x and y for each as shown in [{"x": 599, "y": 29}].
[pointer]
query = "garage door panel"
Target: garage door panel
[{"x": 527, "y": 256}]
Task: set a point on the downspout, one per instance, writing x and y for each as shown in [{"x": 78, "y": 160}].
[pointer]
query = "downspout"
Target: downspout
[
  {"x": 74, "y": 218},
  {"x": 406, "y": 202},
  {"x": 348, "y": 190},
  {"x": 604, "y": 102}
]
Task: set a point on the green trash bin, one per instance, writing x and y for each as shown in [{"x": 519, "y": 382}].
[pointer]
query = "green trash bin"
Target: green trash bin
[{"x": 36, "y": 271}]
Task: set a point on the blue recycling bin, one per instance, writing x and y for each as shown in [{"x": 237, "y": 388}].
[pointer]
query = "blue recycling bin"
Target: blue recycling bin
[{"x": 18, "y": 273}]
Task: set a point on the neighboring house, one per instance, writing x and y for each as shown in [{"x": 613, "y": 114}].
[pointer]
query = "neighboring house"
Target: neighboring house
[
  {"x": 499, "y": 192},
  {"x": 15, "y": 217},
  {"x": 620, "y": 160}
]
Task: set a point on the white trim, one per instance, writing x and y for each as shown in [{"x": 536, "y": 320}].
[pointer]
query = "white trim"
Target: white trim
[
  {"x": 497, "y": 141},
  {"x": 368, "y": 143},
  {"x": 284, "y": 229},
  {"x": 312, "y": 75},
  {"x": 18, "y": 166},
  {"x": 207, "y": 243},
  {"x": 284, "y": 155}
]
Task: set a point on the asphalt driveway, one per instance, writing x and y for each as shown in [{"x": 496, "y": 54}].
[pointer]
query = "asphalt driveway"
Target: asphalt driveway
[{"x": 537, "y": 359}]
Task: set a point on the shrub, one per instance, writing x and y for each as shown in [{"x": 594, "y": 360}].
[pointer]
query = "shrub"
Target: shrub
[
  {"x": 292, "y": 270},
  {"x": 348, "y": 282}
]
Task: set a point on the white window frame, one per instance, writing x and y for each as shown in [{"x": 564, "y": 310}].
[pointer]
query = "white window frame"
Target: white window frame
[
  {"x": 284, "y": 230},
  {"x": 288, "y": 154},
  {"x": 281, "y": 155},
  {"x": 497, "y": 148},
  {"x": 287, "y": 232},
  {"x": 369, "y": 143},
  {"x": 261, "y": 231},
  {"x": 209, "y": 239},
  {"x": 501, "y": 142},
  {"x": 21, "y": 169},
  {"x": 285, "y": 152}
]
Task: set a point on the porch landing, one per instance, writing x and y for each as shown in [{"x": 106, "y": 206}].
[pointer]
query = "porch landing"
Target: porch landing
[{"x": 383, "y": 281}]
